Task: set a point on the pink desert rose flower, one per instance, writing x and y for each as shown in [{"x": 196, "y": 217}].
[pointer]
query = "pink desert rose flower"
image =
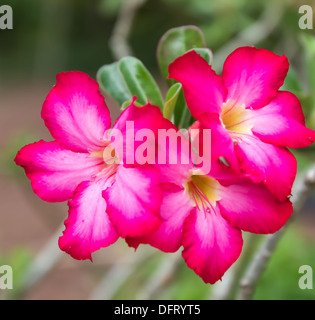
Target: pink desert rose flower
[
  {"x": 173, "y": 204},
  {"x": 104, "y": 197},
  {"x": 206, "y": 214},
  {"x": 252, "y": 121}
]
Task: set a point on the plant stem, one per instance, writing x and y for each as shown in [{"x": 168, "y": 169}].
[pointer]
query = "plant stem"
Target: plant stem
[{"x": 259, "y": 263}]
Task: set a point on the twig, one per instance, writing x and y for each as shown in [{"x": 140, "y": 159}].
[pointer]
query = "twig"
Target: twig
[
  {"x": 252, "y": 35},
  {"x": 226, "y": 289},
  {"x": 222, "y": 289},
  {"x": 118, "y": 41},
  {"x": 258, "y": 265},
  {"x": 119, "y": 274},
  {"x": 42, "y": 264},
  {"x": 53, "y": 38},
  {"x": 161, "y": 277}
]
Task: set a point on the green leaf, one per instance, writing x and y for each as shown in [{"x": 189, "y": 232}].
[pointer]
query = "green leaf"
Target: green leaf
[
  {"x": 127, "y": 78},
  {"x": 140, "y": 82},
  {"x": 127, "y": 103},
  {"x": 174, "y": 43},
  {"x": 171, "y": 99},
  {"x": 205, "y": 53},
  {"x": 182, "y": 115},
  {"x": 111, "y": 81}
]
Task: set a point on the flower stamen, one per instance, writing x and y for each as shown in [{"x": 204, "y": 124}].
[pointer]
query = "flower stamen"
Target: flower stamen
[
  {"x": 202, "y": 190},
  {"x": 235, "y": 118}
]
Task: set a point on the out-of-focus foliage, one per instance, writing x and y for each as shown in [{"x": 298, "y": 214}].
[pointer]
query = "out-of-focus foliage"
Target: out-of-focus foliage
[
  {"x": 19, "y": 259},
  {"x": 281, "y": 279},
  {"x": 54, "y": 35}
]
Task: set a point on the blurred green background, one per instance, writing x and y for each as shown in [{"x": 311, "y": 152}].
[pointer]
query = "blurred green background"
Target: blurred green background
[{"x": 52, "y": 36}]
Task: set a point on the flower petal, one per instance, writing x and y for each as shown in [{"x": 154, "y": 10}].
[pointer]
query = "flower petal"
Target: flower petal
[
  {"x": 282, "y": 122},
  {"x": 264, "y": 162},
  {"x": 203, "y": 89},
  {"x": 211, "y": 244},
  {"x": 88, "y": 227},
  {"x": 75, "y": 112},
  {"x": 224, "y": 163},
  {"x": 252, "y": 207},
  {"x": 136, "y": 127},
  {"x": 175, "y": 153},
  {"x": 175, "y": 207},
  {"x": 253, "y": 76},
  {"x": 133, "y": 200},
  {"x": 55, "y": 172}
]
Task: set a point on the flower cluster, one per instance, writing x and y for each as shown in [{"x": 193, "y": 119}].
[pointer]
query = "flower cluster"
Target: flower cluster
[{"x": 126, "y": 181}]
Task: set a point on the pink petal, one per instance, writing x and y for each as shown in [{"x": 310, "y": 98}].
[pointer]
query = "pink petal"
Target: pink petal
[
  {"x": 252, "y": 207},
  {"x": 224, "y": 163},
  {"x": 54, "y": 171},
  {"x": 88, "y": 227},
  {"x": 133, "y": 201},
  {"x": 75, "y": 112},
  {"x": 174, "y": 158},
  {"x": 203, "y": 89},
  {"x": 264, "y": 162},
  {"x": 136, "y": 127},
  {"x": 211, "y": 244},
  {"x": 175, "y": 207},
  {"x": 282, "y": 122},
  {"x": 253, "y": 76}
]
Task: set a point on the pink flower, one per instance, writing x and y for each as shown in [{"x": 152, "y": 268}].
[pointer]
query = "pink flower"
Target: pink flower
[
  {"x": 252, "y": 122},
  {"x": 106, "y": 198},
  {"x": 113, "y": 192},
  {"x": 206, "y": 214}
]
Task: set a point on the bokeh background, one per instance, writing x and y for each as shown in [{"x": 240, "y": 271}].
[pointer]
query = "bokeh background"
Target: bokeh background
[{"x": 52, "y": 36}]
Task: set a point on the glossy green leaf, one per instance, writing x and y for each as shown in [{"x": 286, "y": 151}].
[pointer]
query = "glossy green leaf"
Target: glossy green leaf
[
  {"x": 205, "y": 53},
  {"x": 171, "y": 99},
  {"x": 182, "y": 115},
  {"x": 111, "y": 81},
  {"x": 127, "y": 103},
  {"x": 175, "y": 42},
  {"x": 127, "y": 78},
  {"x": 140, "y": 82}
]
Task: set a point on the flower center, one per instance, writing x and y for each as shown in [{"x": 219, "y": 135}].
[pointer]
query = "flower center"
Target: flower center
[
  {"x": 108, "y": 154},
  {"x": 234, "y": 117},
  {"x": 202, "y": 190}
]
